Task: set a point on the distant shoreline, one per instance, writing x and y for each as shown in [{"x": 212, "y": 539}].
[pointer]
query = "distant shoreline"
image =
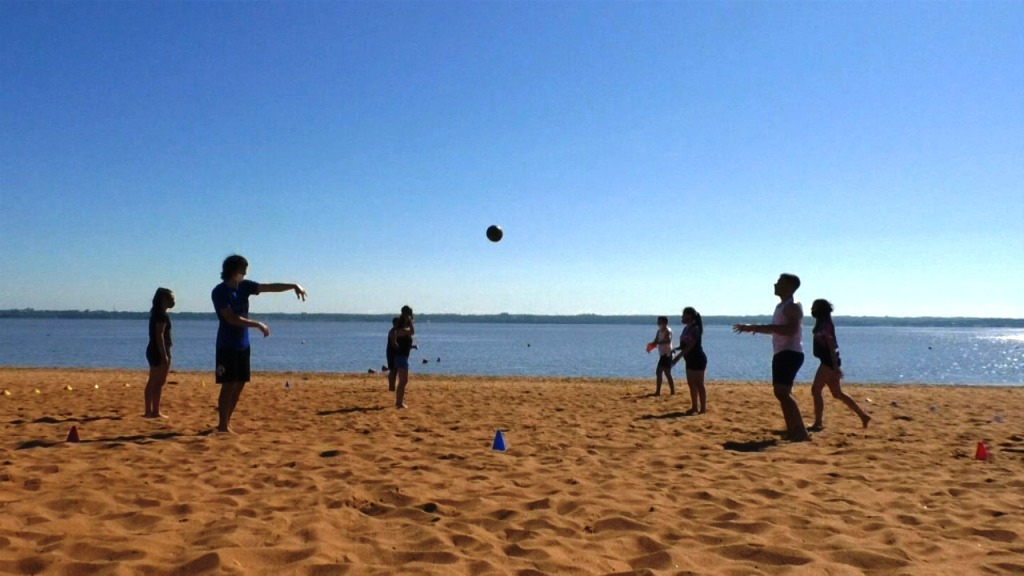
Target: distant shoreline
[{"x": 636, "y": 319}]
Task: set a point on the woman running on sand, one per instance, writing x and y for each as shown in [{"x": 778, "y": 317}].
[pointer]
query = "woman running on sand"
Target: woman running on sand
[{"x": 829, "y": 373}]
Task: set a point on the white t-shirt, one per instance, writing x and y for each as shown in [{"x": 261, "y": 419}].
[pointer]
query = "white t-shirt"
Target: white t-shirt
[
  {"x": 780, "y": 342},
  {"x": 665, "y": 338}
]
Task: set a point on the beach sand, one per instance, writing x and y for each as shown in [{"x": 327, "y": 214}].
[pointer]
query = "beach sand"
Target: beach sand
[{"x": 598, "y": 478}]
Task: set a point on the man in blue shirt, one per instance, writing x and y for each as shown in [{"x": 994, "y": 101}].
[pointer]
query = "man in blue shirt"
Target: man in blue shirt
[{"x": 231, "y": 302}]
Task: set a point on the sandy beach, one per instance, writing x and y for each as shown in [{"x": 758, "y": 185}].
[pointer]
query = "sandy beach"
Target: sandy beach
[{"x": 325, "y": 477}]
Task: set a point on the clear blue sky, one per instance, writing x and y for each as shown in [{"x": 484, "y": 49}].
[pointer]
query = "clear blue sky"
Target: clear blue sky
[{"x": 640, "y": 156}]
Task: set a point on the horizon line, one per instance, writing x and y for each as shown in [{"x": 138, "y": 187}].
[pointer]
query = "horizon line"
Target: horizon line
[{"x": 33, "y": 311}]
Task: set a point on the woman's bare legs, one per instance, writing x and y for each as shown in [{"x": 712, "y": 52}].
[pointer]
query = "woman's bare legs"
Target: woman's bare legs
[
  {"x": 403, "y": 380},
  {"x": 154, "y": 388},
  {"x": 698, "y": 393},
  {"x": 826, "y": 376}
]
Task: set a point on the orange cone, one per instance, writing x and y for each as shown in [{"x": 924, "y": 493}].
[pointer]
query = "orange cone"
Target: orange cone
[
  {"x": 981, "y": 453},
  {"x": 73, "y": 435}
]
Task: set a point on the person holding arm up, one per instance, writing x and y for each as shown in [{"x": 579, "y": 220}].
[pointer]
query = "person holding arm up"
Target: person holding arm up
[
  {"x": 231, "y": 303},
  {"x": 786, "y": 331}
]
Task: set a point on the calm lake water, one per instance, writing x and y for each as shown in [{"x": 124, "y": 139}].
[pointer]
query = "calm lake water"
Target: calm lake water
[{"x": 983, "y": 356}]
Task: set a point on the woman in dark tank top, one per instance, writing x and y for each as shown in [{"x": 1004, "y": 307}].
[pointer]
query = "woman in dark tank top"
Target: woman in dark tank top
[{"x": 829, "y": 373}]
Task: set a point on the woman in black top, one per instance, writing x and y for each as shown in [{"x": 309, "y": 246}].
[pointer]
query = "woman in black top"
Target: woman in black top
[
  {"x": 691, "y": 351},
  {"x": 829, "y": 373},
  {"x": 403, "y": 338},
  {"x": 158, "y": 352},
  {"x": 389, "y": 354}
]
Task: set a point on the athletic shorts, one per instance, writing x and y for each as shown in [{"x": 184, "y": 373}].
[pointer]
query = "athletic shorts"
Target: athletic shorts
[
  {"x": 828, "y": 361},
  {"x": 665, "y": 362},
  {"x": 232, "y": 365},
  {"x": 698, "y": 361},
  {"x": 154, "y": 357},
  {"x": 401, "y": 362},
  {"x": 785, "y": 366}
]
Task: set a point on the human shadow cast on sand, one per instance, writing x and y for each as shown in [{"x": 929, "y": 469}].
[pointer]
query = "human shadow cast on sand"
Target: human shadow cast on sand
[
  {"x": 667, "y": 416},
  {"x": 750, "y": 445},
  {"x": 349, "y": 410},
  {"x": 137, "y": 439},
  {"x": 52, "y": 420}
]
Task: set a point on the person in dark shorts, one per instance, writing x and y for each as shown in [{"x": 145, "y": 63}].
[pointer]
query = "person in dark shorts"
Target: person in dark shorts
[
  {"x": 829, "y": 373},
  {"x": 691, "y": 351},
  {"x": 391, "y": 351},
  {"x": 663, "y": 342},
  {"x": 158, "y": 351},
  {"x": 231, "y": 303},
  {"x": 403, "y": 340},
  {"x": 787, "y": 344}
]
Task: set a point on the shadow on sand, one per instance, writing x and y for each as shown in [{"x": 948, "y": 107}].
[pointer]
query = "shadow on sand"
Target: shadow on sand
[
  {"x": 750, "y": 446},
  {"x": 666, "y": 416},
  {"x": 349, "y": 410},
  {"x": 52, "y": 420},
  {"x": 139, "y": 439}
]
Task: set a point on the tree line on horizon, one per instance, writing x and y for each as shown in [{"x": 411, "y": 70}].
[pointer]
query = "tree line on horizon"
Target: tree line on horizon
[{"x": 507, "y": 318}]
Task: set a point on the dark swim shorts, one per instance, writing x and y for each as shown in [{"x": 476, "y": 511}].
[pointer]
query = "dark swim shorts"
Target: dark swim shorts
[
  {"x": 827, "y": 361},
  {"x": 233, "y": 365},
  {"x": 785, "y": 366},
  {"x": 696, "y": 360},
  {"x": 154, "y": 357}
]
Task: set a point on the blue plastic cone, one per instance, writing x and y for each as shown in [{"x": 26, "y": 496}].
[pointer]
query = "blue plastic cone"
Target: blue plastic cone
[{"x": 499, "y": 442}]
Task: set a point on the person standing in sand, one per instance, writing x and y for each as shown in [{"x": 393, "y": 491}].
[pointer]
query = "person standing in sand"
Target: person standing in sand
[
  {"x": 403, "y": 339},
  {"x": 663, "y": 342},
  {"x": 786, "y": 330},
  {"x": 691, "y": 351},
  {"x": 829, "y": 373},
  {"x": 158, "y": 352},
  {"x": 231, "y": 303},
  {"x": 389, "y": 354}
]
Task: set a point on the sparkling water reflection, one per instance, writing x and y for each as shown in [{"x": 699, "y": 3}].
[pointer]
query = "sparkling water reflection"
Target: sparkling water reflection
[{"x": 870, "y": 354}]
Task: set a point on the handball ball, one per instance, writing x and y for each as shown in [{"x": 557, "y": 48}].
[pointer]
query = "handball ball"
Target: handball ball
[{"x": 494, "y": 233}]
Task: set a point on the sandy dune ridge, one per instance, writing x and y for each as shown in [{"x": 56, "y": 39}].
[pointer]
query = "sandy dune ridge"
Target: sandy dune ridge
[{"x": 599, "y": 478}]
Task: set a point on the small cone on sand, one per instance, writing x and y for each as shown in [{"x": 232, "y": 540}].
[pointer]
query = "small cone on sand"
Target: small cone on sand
[
  {"x": 981, "y": 453},
  {"x": 499, "y": 442},
  {"x": 73, "y": 435}
]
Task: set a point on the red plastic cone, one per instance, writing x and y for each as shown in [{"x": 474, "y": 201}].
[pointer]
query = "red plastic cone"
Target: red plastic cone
[
  {"x": 981, "y": 453},
  {"x": 73, "y": 435}
]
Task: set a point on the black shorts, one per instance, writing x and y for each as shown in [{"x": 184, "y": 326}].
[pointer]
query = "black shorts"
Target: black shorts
[
  {"x": 390, "y": 355},
  {"x": 665, "y": 363},
  {"x": 785, "y": 366},
  {"x": 696, "y": 360},
  {"x": 827, "y": 361},
  {"x": 232, "y": 365},
  {"x": 154, "y": 357}
]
